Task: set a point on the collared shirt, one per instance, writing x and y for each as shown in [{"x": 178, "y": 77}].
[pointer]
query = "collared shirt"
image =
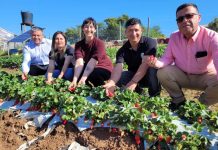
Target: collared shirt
[
  {"x": 36, "y": 54},
  {"x": 184, "y": 53},
  {"x": 133, "y": 59}
]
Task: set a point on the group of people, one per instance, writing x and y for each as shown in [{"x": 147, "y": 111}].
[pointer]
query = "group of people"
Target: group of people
[{"x": 190, "y": 59}]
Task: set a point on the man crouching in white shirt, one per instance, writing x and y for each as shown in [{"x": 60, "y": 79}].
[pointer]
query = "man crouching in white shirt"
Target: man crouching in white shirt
[{"x": 35, "y": 54}]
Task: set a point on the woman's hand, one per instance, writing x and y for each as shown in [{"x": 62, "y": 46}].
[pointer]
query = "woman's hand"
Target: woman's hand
[
  {"x": 60, "y": 76},
  {"x": 72, "y": 84},
  {"x": 110, "y": 88},
  {"x": 49, "y": 81},
  {"x": 131, "y": 85},
  {"x": 82, "y": 81}
]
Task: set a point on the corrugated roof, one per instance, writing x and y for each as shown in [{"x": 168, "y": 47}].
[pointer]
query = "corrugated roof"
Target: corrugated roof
[
  {"x": 21, "y": 38},
  {"x": 5, "y": 35}
]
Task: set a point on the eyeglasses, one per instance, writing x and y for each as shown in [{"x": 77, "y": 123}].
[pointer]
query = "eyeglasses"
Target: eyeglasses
[{"x": 187, "y": 16}]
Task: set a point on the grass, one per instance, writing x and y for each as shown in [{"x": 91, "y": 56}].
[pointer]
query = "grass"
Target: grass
[{"x": 3, "y": 53}]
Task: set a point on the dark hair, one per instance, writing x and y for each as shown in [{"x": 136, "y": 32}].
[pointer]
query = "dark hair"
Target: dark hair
[
  {"x": 35, "y": 28},
  {"x": 186, "y": 5},
  {"x": 55, "y": 35},
  {"x": 133, "y": 21},
  {"x": 54, "y": 51},
  {"x": 88, "y": 21}
]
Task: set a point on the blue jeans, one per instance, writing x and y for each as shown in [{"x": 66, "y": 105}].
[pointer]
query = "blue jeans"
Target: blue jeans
[
  {"x": 149, "y": 80},
  {"x": 67, "y": 76}
]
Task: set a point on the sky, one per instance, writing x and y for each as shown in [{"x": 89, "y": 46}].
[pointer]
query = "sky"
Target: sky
[{"x": 58, "y": 15}]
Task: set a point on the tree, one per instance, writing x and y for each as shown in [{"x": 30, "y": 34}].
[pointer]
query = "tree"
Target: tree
[
  {"x": 73, "y": 34},
  {"x": 101, "y": 30},
  {"x": 213, "y": 25},
  {"x": 123, "y": 19},
  {"x": 155, "y": 32},
  {"x": 112, "y": 29}
]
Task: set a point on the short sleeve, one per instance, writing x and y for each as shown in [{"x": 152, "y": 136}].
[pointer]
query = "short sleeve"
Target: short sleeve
[
  {"x": 51, "y": 55},
  {"x": 78, "y": 50},
  {"x": 151, "y": 46},
  {"x": 120, "y": 56},
  {"x": 70, "y": 51}
]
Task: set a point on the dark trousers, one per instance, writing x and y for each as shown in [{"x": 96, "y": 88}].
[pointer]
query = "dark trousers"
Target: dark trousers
[
  {"x": 97, "y": 77},
  {"x": 149, "y": 80},
  {"x": 36, "y": 70}
]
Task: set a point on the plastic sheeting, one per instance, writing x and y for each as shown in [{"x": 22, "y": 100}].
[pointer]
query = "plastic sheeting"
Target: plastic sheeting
[{"x": 40, "y": 118}]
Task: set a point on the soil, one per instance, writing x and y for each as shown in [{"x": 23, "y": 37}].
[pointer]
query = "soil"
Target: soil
[
  {"x": 12, "y": 131},
  {"x": 13, "y": 134}
]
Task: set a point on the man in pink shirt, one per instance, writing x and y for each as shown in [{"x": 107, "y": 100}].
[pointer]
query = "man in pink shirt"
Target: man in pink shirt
[{"x": 190, "y": 60}]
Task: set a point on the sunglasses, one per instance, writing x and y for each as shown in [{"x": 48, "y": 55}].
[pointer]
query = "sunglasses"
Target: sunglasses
[{"x": 187, "y": 16}]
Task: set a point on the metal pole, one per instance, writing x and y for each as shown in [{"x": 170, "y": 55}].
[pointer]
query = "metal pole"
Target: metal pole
[
  {"x": 80, "y": 36},
  {"x": 97, "y": 31},
  {"x": 148, "y": 27},
  {"x": 120, "y": 30}
]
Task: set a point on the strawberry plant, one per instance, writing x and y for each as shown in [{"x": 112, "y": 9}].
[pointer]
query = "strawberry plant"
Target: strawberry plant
[
  {"x": 26, "y": 91},
  {"x": 4, "y": 84},
  {"x": 191, "y": 111},
  {"x": 124, "y": 96},
  {"x": 98, "y": 93},
  {"x": 82, "y": 90},
  {"x": 10, "y": 84},
  {"x": 160, "y": 129},
  {"x": 46, "y": 97},
  {"x": 184, "y": 140},
  {"x": 101, "y": 111},
  {"x": 127, "y": 109},
  {"x": 196, "y": 114},
  {"x": 15, "y": 85},
  {"x": 128, "y": 116},
  {"x": 155, "y": 105},
  {"x": 60, "y": 85},
  {"x": 74, "y": 107},
  {"x": 211, "y": 120},
  {"x": 13, "y": 61},
  {"x": 37, "y": 80}
]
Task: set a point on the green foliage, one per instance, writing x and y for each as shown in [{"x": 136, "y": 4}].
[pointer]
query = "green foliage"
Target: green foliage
[
  {"x": 213, "y": 25},
  {"x": 3, "y": 53},
  {"x": 13, "y": 61},
  {"x": 196, "y": 113},
  {"x": 128, "y": 109},
  {"x": 74, "y": 107},
  {"x": 99, "y": 93},
  {"x": 111, "y": 52},
  {"x": 73, "y": 34},
  {"x": 155, "y": 32},
  {"x": 101, "y": 112},
  {"x": 160, "y": 49},
  {"x": 111, "y": 29}
]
